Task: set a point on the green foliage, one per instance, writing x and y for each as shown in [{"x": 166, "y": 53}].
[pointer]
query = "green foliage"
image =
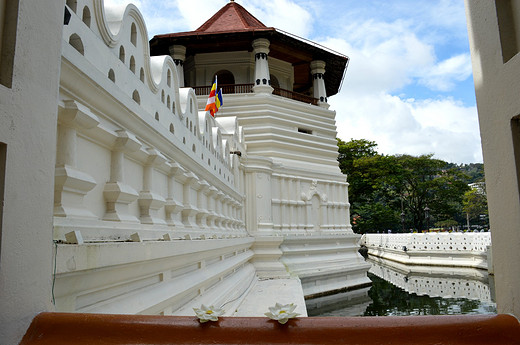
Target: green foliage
[
  {"x": 475, "y": 204},
  {"x": 446, "y": 224},
  {"x": 382, "y": 187}
]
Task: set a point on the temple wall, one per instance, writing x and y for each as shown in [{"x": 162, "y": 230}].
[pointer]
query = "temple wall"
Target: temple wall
[{"x": 147, "y": 205}]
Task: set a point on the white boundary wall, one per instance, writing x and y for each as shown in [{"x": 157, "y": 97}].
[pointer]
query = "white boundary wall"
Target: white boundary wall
[{"x": 436, "y": 249}]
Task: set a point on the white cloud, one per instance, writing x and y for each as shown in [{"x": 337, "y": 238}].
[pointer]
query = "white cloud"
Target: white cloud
[
  {"x": 444, "y": 127},
  {"x": 444, "y": 75},
  {"x": 282, "y": 14},
  {"x": 196, "y": 12}
]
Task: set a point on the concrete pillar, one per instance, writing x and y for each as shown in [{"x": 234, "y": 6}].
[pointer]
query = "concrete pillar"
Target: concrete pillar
[
  {"x": 119, "y": 195},
  {"x": 150, "y": 202},
  {"x": 178, "y": 54},
  {"x": 318, "y": 82},
  {"x": 173, "y": 205},
  {"x": 262, "y": 79},
  {"x": 71, "y": 185}
]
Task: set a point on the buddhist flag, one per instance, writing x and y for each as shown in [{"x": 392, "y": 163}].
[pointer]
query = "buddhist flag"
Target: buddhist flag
[
  {"x": 219, "y": 101},
  {"x": 211, "y": 104}
]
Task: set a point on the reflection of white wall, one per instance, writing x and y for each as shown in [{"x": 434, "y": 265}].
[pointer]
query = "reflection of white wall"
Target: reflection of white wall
[
  {"x": 442, "y": 249},
  {"x": 459, "y": 283}
]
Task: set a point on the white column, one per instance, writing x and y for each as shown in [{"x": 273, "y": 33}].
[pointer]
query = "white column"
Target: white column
[
  {"x": 202, "y": 214},
  {"x": 318, "y": 82},
  {"x": 70, "y": 184},
  {"x": 150, "y": 202},
  {"x": 189, "y": 210},
  {"x": 173, "y": 205},
  {"x": 178, "y": 54},
  {"x": 262, "y": 79},
  {"x": 211, "y": 202},
  {"x": 119, "y": 195}
]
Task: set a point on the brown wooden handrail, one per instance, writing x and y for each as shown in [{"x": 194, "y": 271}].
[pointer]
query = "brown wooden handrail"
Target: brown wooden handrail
[
  {"x": 248, "y": 88},
  {"x": 295, "y": 95},
  {"x": 79, "y": 329},
  {"x": 227, "y": 89}
]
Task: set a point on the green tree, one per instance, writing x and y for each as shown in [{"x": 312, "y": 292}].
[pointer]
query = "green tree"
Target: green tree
[
  {"x": 383, "y": 186},
  {"x": 475, "y": 203},
  {"x": 428, "y": 184}
]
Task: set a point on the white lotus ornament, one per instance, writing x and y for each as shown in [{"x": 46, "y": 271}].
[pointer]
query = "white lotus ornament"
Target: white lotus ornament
[
  {"x": 206, "y": 314},
  {"x": 282, "y": 313}
]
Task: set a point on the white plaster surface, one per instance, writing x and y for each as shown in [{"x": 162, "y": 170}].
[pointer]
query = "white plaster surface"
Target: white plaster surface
[{"x": 266, "y": 293}]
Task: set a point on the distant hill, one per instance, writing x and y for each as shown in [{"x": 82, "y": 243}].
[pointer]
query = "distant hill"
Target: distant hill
[{"x": 475, "y": 171}]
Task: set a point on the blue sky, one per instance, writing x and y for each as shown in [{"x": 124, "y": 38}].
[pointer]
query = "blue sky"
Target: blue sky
[{"x": 409, "y": 84}]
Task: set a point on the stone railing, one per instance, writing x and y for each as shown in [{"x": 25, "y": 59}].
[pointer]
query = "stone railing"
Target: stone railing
[{"x": 453, "y": 241}]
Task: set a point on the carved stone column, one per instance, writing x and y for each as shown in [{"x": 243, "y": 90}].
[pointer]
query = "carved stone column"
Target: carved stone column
[
  {"x": 190, "y": 210},
  {"x": 262, "y": 79},
  {"x": 318, "y": 82},
  {"x": 174, "y": 205},
  {"x": 212, "y": 214},
  {"x": 118, "y": 194},
  {"x": 202, "y": 213},
  {"x": 71, "y": 185},
  {"x": 150, "y": 202}
]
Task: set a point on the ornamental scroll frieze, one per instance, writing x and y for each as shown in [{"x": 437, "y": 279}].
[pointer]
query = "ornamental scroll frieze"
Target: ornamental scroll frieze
[{"x": 313, "y": 190}]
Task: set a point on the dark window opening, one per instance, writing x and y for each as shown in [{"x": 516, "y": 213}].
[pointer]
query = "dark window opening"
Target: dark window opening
[{"x": 304, "y": 130}]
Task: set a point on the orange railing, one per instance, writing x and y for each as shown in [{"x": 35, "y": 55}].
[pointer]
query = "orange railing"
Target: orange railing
[{"x": 248, "y": 88}]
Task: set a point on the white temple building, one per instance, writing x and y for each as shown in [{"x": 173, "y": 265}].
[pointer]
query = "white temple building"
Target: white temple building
[{"x": 160, "y": 207}]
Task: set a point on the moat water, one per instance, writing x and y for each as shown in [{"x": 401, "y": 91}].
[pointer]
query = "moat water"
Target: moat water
[{"x": 400, "y": 290}]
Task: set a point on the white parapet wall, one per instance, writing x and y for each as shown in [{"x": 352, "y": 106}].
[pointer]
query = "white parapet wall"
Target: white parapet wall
[
  {"x": 148, "y": 206},
  {"x": 454, "y": 249}
]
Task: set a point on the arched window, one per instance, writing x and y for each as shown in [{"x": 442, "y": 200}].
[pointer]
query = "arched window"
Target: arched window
[
  {"x": 136, "y": 97},
  {"x": 86, "y": 16},
  {"x": 133, "y": 34},
  {"x": 226, "y": 81},
  {"x": 172, "y": 130},
  {"x": 157, "y": 116},
  {"x": 122, "y": 54},
  {"x": 111, "y": 75},
  {"x": 132, "y": 64},
  {"x": 75, "y": 41},
  {"x": 168, "y": 101},
  {"x": 169, "y": 78},
  {"x": 141, "y": 74}
]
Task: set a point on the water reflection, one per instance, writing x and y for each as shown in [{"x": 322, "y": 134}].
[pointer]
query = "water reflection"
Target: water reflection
[{"x": 412, "y": 290}]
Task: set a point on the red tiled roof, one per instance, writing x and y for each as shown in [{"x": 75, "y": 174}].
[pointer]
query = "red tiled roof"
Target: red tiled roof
[{"x": 231, "y": 17}]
